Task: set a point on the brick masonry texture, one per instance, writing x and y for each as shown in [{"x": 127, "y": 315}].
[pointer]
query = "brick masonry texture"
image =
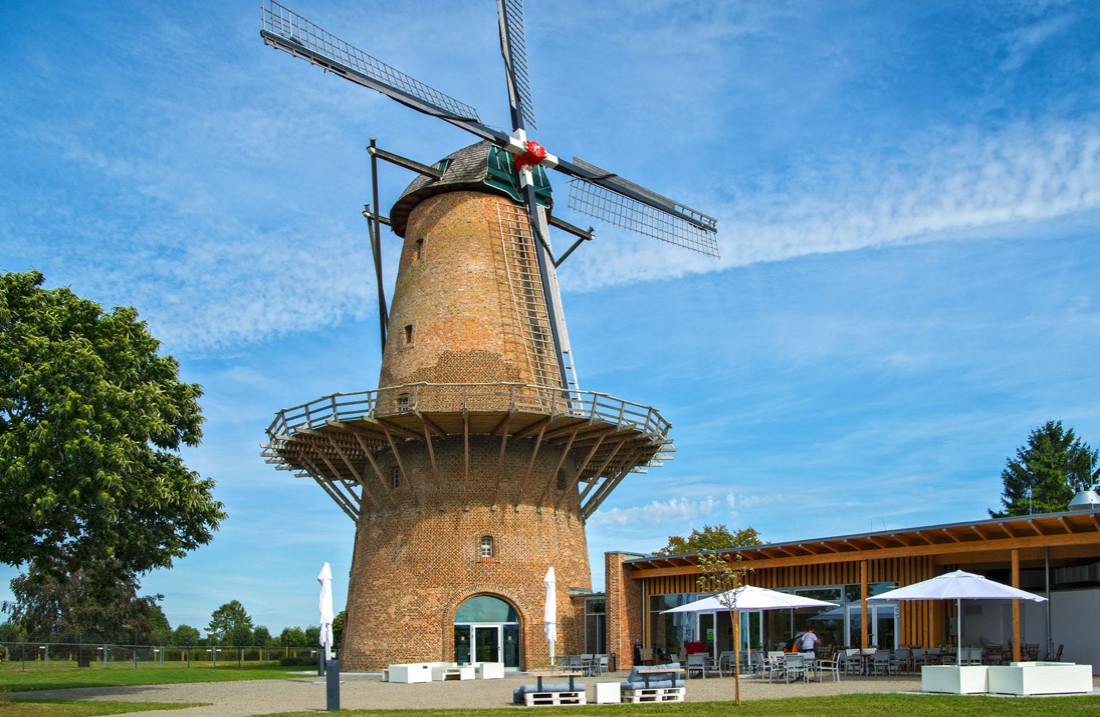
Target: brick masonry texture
[{"x": 417, "y": 560}]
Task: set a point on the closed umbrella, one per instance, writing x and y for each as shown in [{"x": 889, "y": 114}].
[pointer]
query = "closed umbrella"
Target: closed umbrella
[
  {"x": 958, "y": 586},
  {"x": 325, "y": 578},
  {"x": 550, "y": 612}
]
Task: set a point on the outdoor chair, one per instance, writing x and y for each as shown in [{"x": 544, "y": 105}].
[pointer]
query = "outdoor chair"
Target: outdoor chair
[
  {"x": 831, "y": 665},
  {"x": 697, "y": 662},
  {"x": 727, "y": 663},
  {"x": 645, "y": 655},
  {"x": 773, "y": 665},
  {"x": 852, "y": 661},
  {"x": 903, "y": 659},
  {"x": 883, "y": 664},
  {"x": 1029, "y": 651},
  {"x": 601, "y": 664},
  {"x": 1056, "y": 657},
  {"x": 794, "y": 668}
]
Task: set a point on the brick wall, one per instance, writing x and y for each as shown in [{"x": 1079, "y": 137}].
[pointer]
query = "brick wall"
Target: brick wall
[{"x": 624, "y": 609}]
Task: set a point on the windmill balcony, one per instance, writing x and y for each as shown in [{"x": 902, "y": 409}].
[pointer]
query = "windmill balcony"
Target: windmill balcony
[{"x": 336, "y": 439}]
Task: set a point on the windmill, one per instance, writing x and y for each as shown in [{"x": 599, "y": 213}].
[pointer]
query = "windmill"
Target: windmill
[{"x": 478, "y": 409}]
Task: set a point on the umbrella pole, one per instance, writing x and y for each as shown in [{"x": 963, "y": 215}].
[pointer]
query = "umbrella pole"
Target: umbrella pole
[{"x": 958, "y": 631}]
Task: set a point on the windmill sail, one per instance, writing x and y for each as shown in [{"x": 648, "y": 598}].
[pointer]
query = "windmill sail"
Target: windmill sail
[
  {"x": 286, "y": 30},
  {"x": 513, "y": 46}
]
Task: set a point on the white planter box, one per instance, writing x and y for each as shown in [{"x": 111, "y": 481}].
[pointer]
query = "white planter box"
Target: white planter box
[
  {"x": 953, "y": 679},
  {"x": 608, "y": 693},
  {"x": 490, "y": 670},
  {"x": 1040, "y": 678},
  {"x": 411, "y": 672},
  {"x": 441, "y": 673}
]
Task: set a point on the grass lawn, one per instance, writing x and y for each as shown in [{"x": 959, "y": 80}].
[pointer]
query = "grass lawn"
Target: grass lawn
[
  {"x": 839, "y": 706},
  {"x": 56, "y": 679},
  {"x": 58, "y": 708}
]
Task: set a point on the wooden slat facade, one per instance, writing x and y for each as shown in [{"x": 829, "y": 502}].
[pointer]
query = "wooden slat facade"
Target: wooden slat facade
[{"x": 903, "y": 557}]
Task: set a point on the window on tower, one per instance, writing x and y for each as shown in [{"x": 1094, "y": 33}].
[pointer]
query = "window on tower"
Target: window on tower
[
  {"x": 418, "y": 250},
  {"x": 395, "y": 478},
  {"x": 486, "y": 547},
  {"x": 408, "y": 334}
]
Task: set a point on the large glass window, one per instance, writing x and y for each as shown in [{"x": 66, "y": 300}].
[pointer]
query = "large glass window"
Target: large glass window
[{"x": 595, "y": 625}]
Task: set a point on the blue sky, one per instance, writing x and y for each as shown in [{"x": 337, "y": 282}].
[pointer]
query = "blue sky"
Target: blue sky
[{"x": 908, "y": 197}]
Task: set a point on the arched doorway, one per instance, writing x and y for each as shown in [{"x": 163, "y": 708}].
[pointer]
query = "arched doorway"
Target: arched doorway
[{"x": 487, "y": 630}]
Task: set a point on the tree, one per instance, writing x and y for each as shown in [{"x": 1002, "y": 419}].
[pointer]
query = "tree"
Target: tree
[
  {"x": 230, "y": 624},
  {"x": 711, "y": 537},
  {"x": 261, "y": 637},
  {"x": 717, "y": 575},
  {"x": 91, "y": 421},
  {"x": 1046, "y": 473},
  {"x": 185, "y": 636},
  {"x": 76, "y": 608},
  {"x": 292, "y": 637},
  {"x": 338, "y": 624}
]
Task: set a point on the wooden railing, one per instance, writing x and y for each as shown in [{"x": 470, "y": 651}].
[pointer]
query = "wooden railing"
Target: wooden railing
[{"x": 469, "y": 397}]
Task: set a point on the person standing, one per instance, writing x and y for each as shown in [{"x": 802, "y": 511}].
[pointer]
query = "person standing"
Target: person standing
[{"x": 808, "y": 641}]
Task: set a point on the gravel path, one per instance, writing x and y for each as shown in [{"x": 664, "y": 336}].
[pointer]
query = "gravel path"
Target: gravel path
[{"x": 367, "y": 691}]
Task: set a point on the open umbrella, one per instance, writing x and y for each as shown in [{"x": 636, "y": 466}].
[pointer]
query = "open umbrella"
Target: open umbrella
[
  {"x": 550, "y": 612},
  {"x": 958, "y": 586},
  {"x": 325, "y": 578},
  {"x": 749, "y": 597}
]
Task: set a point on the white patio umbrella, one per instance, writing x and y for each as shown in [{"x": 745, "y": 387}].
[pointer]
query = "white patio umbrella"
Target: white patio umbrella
[
  {"x": 550, "y": 611},
  {"x": 958, "y": 586},
  {"x": 749, "y": 597},
  {"x": 325, "y": 578}
]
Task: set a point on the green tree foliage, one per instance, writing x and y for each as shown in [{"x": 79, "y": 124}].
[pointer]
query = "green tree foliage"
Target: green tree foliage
[
  {"x": 292, "y": 637},
  {"x": 75, "y": 607},
  {"x": 261, "y": 637},
  {"x": 91, "y": 421},
  {"x": 711, "y": 537},
  {"x": 338, "y": 624},
  {"x": 185, "y": 636},
  {"x": 230, "y": 624},
  {"x": 1047, "y": 472}
]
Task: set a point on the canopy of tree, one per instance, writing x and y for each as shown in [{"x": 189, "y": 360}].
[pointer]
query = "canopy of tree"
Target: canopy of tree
[
  {"x": 72, "y": 608},
  {"x": 91, "y": 421},
  {"x": 1047, "y": 472},
  {"x": 711, "y": 537},
  {"x": 231, "y": 624}
]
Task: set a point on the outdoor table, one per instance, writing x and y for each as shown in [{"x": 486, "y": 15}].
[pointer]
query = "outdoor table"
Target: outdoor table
[
  {"x": 570, "y": 675},
  {"x": 647, "y": 672}
]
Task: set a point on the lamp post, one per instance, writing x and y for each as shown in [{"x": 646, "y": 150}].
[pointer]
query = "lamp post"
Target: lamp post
[{"x": 46, "y": 652}]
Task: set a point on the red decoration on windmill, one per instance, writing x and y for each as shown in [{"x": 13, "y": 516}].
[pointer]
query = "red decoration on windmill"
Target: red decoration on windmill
[{"x": 535, "y": 153}]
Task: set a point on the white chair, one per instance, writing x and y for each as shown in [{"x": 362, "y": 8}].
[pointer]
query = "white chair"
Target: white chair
[
  {"x": 697, "y": 662},
  {"x": 794, "y": 668},
  {"x": 832, "y": 665}
]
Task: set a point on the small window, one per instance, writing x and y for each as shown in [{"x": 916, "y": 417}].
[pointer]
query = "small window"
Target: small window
[
  {"x": 395, "y": 478},
  {"x": 403, "y": 403},
  {"x": 418, "y": 250},
  {"x": 408, "y": 334},
  {"x": 486, "y": 547}
]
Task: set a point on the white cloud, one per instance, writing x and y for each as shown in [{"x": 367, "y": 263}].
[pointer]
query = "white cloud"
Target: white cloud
[{"x": 950, "y": 185}]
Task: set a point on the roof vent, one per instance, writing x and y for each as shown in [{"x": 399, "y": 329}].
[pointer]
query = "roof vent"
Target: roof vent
[{"x": 1085, "y": 500}]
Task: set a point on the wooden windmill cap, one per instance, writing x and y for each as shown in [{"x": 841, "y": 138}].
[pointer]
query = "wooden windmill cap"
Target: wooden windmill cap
[{"x": 473, "y": 168}]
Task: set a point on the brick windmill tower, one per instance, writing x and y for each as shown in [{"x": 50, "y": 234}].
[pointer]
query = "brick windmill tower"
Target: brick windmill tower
[{"x": 475, "y": 464}]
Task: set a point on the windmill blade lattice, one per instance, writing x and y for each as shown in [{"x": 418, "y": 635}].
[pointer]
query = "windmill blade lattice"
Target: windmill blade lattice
[
  {"x": 513, "y": 45},
  {"x": 285, "y": 29},
  {"x": 685, "y": 228}
]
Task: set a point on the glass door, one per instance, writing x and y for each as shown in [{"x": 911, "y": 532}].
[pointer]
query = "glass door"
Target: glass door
[{"x": 487, "y": 643}]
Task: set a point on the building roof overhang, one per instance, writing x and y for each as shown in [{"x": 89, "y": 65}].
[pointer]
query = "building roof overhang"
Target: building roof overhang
[{"x": 973, "y": 537}]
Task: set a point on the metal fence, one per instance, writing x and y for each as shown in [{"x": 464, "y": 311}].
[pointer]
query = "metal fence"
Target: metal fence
[{"x": 64, "y": 655}]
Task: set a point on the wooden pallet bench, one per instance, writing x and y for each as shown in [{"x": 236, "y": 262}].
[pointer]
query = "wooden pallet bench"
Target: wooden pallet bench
[
  {"x": 554, "y": 699},
  {"x": 653, "y": 694}
]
